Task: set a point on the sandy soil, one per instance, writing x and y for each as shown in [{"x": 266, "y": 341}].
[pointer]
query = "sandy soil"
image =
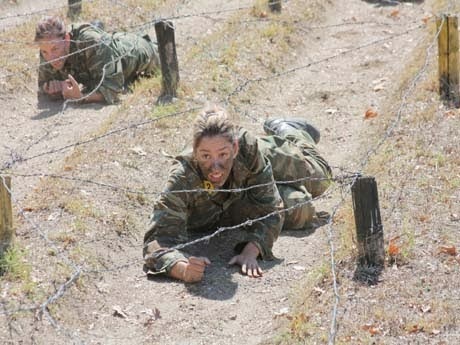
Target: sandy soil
[{"x": 350, "y": 61}]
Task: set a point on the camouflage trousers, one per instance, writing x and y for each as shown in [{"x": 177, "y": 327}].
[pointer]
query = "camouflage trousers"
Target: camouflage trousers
[
  {"x": 148, "y": 63},
  {"x": 294, "y": 156}
]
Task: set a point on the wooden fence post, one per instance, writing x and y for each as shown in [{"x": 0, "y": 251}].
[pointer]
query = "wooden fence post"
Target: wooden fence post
[
  {"x": 74, "y": 8},
  {"x": 168, "y": 58},
  {"x": 275, "y": 5},
  {"x": 6, "y": 215},
  {"x": 368, "y": 223},
  {"x": 448, "y": 59}
]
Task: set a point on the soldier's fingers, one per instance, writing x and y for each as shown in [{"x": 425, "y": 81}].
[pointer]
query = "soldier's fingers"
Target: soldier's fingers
[
  {"x": 196, "y": 268},
  {"x": 202, "y": 261},
  {"x": 46, "y": 87},
  {"x": 72, "y": 80},
  {"x": 244, "y": 269},
  {"x": 260, "y": 271}
]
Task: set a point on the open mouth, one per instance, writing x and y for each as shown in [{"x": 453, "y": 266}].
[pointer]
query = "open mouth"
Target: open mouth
[{"x": 215, "y": 177}]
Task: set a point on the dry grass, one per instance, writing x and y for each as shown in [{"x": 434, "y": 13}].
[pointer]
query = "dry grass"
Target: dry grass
[
  {"x": 417, "y": 173},
  {"x": 412, "y": 165}
]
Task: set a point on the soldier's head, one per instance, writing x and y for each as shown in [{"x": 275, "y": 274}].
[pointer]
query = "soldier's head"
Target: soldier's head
[
  {"x": 215, "y": 145},
  {"x": 53, "y": 40}
]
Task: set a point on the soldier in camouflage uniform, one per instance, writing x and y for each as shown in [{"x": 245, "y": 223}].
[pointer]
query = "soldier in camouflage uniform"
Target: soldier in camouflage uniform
[
  {"x": 103, "y": 63},
  {"x": 224, "y": 157}
]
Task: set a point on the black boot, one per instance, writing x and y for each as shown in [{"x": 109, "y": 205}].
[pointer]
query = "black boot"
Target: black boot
[{"x": 278, "y": 126}]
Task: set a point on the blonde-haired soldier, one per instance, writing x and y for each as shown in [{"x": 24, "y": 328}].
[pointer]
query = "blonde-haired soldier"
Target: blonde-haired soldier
[{"x": 224, "y": 157}]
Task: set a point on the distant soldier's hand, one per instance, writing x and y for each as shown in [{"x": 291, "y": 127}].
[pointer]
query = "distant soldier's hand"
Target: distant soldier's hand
[
  {"x": 190, "y": 271},
  {"x": 71, "y": 89},
  {"x": 248, "y": 261},
  {"x": 53, "y": 87}
]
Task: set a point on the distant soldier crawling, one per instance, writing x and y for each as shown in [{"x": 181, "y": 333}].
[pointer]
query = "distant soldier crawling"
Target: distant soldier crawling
[
  {"x": 103, "y": 63},
  {"x": 225, "y": 157}
]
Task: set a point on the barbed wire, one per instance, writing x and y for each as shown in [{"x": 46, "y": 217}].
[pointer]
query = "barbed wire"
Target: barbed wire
[
  {"x": 226, "y": 99},
  {"x": 404, "y": 97},
  {"x": 242, "y": 86},
  {"x": 364, "y": 162},
  {"x": 42, "y": 308},
  {"x": 333, "y": 328},
  {"x": 248, "y": 222},
  {"x": 32, "y": 13},
  {"x": 304, "y": 28},
  {"x": 339, "y": 179}
]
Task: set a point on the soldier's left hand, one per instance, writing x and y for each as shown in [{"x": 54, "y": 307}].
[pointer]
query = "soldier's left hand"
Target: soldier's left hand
[
  {"x": 71, "y": 89},
  {"x": 248, "y": 261}
]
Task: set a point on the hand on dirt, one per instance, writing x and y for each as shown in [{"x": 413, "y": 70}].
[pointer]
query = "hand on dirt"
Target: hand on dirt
[
  {"x": 53, "y": 87},
  {"x": 71, "y": 89},
  {"x": 248, "y": 261},
  {"x": 190, "y": 271}
]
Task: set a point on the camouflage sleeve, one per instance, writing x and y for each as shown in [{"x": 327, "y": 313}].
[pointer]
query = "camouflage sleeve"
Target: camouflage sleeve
[
  {"x": 167, "y": 226},
  {"x": 46, "y": 73},
  {"x": 102, "y": 62},
  {"x": 263, "y": 200}
]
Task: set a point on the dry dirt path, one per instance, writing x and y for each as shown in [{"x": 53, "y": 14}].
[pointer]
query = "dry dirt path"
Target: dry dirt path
[{"x": 342, "y": 79}]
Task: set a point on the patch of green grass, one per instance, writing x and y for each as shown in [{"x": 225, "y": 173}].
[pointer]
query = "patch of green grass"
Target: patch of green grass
[
  {"x": 230, "y": 55},
  {"x": 80, "y": 208},
  {"x": 165, "y": 110},
  {"x": 454, "y": 183},
  {"x": 408, "y": 241},
  {"x": 126, "y": 225},
  {"x": 13, "y": 265}
]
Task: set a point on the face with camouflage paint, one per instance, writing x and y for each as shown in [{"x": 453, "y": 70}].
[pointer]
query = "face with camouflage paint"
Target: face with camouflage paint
[
  {"x": 54, "y": 49},
  {"x": 215, "y": 156}
]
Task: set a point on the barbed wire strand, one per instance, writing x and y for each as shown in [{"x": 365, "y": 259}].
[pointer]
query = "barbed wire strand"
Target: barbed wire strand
[
  {"x": 42, "y": 309},
  {"x": 61, "y": 291},
  {"x": 248, "y": 222},
  {"x": 242, "y": 86},
  {"x": 226, "y": 99},
  {"x": 340, "y": 179},
  {"x": 364, "y": 162}
]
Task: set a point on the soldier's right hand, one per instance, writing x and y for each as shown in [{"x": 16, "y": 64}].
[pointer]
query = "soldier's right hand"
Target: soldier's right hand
[
  {"x": 53, "y": 87},
  {"x": 190, "y": 271}
]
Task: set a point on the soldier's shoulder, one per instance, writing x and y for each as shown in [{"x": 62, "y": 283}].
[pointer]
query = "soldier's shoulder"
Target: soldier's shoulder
[
  {"x": 85, "y": 31},
  {"x": 248, "y": 146},
  {"x": 183, "y": 172}
]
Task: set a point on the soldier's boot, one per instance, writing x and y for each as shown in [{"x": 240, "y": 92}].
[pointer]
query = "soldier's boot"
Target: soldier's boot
[{"x": 278, "y": 126}]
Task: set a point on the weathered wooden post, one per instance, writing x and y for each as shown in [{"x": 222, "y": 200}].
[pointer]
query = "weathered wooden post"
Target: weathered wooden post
[
  {"x": 6, "y": 215},
  {"x": 369, "y": 227},
  {"x": 74, "y": 8},
  {"x": 275, "y": 5},
  {"x": 448, "y": 59},
  {"x": 168, "y": 58}
]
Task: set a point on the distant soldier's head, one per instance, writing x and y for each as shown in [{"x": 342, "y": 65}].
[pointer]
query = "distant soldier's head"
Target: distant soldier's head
[
  {"x": 215, "y": 145},
  {"x": 53, "y": 39}
]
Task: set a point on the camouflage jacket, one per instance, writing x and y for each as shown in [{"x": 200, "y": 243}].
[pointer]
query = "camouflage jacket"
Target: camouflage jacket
[
  {"x": 177, "y": 215},
  {"x": 95, "y": 55}
]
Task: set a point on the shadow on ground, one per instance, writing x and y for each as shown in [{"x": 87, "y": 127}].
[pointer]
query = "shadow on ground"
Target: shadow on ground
[
  {"x": 383, "y": 3},
  {"x": 48, "y": 108}
]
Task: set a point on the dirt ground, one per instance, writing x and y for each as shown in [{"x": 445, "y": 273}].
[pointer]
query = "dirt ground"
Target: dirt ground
[{"x": 83, "y": 235}]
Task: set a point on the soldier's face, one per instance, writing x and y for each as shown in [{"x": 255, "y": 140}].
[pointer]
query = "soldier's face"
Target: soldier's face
[
  {"x": 55, "y": 50},
  {"x": 215, "y": 156}
]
